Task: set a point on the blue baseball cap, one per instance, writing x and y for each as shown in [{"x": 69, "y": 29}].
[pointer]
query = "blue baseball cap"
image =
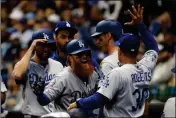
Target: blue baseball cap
[
  {"x": 65, "y": 25},
  {"x": 173, "y": 70},
  {"x": 44, "y": 34},
  {"x": 128, "y": 42},
  {"x": 76, "y": 46},
  {"x": 111, "y": 26}
]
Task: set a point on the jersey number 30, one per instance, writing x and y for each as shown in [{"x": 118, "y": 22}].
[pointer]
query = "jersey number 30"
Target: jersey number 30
[{"x": 140, "y": 99}]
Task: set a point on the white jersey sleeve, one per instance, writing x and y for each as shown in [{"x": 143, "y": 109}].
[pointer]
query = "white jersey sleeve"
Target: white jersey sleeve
[
  {"x": 55, "y": 88},
  {"x": 111, "y": 85},
  {"x": 3, "y": 87},
  {"x": 149, "y": 59}
]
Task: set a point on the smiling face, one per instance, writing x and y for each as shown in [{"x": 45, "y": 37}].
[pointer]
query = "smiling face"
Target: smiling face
[
  {"x": 102, "y": 42},
  {"x": 44, "y": 51},
  {"x": 81, "y": 64}
]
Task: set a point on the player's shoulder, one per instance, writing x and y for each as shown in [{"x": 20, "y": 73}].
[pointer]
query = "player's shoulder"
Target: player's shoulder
[
  {"x": 123, "y": 70},
  {"x": 111, "y": 58},
  {"x": 32, "y": 62},
  {"x": 94, "y": 75},
  {"x": 171, "y": 100},
  {"x": 64, "y": 73},
  {"x": 50, "y": 60},
  {"x": 33, "y": 65},
  {"x": 115, "y": 71}
]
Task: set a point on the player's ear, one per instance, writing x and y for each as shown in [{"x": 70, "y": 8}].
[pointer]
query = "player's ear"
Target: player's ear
[{"x": 108, "y": 35}]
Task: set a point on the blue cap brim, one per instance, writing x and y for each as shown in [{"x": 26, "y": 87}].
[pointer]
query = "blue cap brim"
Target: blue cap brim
[
  {"x": 96, "y": 34},
  {"x": 82, "y": 50},
  {"x": 70, "y": 29},
  {"x": 173, "y": 70},
  {"x": 53, "y": 41}
]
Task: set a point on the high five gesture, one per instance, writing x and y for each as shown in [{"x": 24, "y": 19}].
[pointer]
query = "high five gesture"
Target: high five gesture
[{"x": 136, "y": 15}]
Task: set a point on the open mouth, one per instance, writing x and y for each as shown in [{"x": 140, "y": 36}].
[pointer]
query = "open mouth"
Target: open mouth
[{"x": 84, "y": 61}]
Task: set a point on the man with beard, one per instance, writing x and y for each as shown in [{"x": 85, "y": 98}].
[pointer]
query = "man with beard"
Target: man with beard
[
  {"x": 34, "y": 72},
  {"x": 64, "y": 33},
  {"x": 78, "y": 80}
]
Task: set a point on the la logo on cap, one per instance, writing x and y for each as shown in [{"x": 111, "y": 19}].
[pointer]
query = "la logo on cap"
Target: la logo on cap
[
  {"x": 132, "y": 50},
  {"x": 45, "y": 36},
  {"x": 67, "y": 24},
  {"x": 81, "y": 44}
]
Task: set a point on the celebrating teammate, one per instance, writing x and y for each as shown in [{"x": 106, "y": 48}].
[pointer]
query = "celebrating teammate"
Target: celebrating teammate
[
  {"x": 107, "y": 32},
  {"x": 34, "y": 72},
  {"x": 125, "y": 89},
  {"x": 64, "y": 33},
  {"x": 78, "y": 80}
]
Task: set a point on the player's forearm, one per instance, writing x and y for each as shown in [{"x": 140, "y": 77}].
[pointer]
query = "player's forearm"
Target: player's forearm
[
  {"x": 22, "y": 66},
  {"x": 43, "y": 99},
  {"x": 92, "y": 102},
  {"x": 147, "y": 38}
]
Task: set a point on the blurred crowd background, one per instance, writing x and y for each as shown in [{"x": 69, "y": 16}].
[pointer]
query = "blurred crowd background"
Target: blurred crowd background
[{"x": 19, "y": 18}]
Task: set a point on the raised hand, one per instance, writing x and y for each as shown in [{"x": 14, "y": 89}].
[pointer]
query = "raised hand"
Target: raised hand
[
  {"x": 35, "y": 42},
  {"x": 136, "y": 15}
]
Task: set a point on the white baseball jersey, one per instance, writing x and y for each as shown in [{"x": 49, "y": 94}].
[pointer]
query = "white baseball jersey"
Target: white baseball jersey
[
  {"x": 127, "y": 87},
  {"x": 109, "y": 63},
  {"x": 34, "y": 73},
  {"x": 169, "y": 108},
  {"x": 66, "y": 88}
]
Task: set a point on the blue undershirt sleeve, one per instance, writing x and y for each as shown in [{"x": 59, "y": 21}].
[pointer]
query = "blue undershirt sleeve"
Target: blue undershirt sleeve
[
  {"x": 147, "y": 38},
  {"x": 94, "y": 101},
  {"x": 43, "y": 99}
]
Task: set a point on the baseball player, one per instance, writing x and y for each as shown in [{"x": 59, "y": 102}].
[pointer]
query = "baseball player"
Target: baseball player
[
  {"x": 107, "y": 32},
  {"x": 125, "y": 89},
  {"x": 36, "y": 72},
  {"x": 78, "y": 80},
  {"x": 169, "y": 107},
  {"x": 64, "y": 33}
]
